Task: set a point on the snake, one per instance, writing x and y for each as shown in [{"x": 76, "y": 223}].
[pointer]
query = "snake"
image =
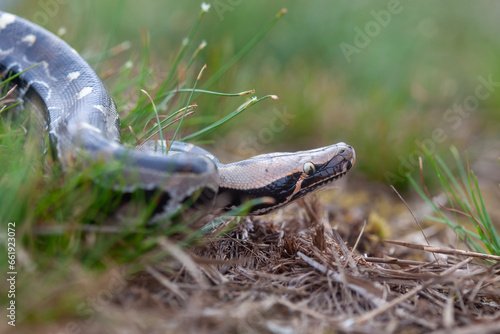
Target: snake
[{"x": 82, "y": 122}]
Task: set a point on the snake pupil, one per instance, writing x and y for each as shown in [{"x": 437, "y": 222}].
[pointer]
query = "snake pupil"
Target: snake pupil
[{"x": 309, "y": 168}]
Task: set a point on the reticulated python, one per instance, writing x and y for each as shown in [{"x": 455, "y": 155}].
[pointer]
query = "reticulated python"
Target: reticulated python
[{"x": 82, "y": 120}]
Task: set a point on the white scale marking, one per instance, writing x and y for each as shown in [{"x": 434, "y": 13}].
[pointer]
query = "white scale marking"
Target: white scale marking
[
  {"x": 47, "y": 70},
  {"x": 44, "y": 65},
  {"x": 6, "y": 19},
  {"x": 42, "y": 83},
  {"x": 29, "y": 39},
  {"x": 6, "y": 52},
  {"x": 73, "y": 76},
  {"x": 101, "y": 109},
  {"x": 89, "y": 127},
  {"x": 84, "y": 92}
]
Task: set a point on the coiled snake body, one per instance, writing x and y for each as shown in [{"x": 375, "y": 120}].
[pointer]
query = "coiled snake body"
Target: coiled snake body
[{"x": 82, "y": 120}]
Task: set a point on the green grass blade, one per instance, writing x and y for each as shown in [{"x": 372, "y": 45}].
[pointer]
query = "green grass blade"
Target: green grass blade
[
  {"x": 452, "y": 187},
  {"x": 187, "y": 105},
  {"x": 208, "y": 92},
  {"x": 10, "y": 106},
  {"x": 464, "y": 192},
  {"x": 225, "y": 119},
  {"x": 144, "y": 74},
  {"x": 158, "y": 123},
  {"x": 494, "y": 238},
  {"x": 164, "y": 122},
  {"x": 244, "y": 50},
  {"x": 202, "y": 46},
  {"x": 180, "y": 55},
  {"x": 12, "y": 77}
]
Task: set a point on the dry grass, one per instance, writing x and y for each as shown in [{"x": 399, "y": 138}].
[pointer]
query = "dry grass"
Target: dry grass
[
  {"x": 293, "y": 273},
  {"x": 297, "y": 275}
]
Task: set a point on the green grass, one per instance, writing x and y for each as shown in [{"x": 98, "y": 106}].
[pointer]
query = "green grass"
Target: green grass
[
  {"x": 384, "y": 102},
  {"x": 68, "y": 233},
  {"x": 169, "y": 93},
  {"x": 392, "y": 95},
  {"x": 464, "y": 201}
]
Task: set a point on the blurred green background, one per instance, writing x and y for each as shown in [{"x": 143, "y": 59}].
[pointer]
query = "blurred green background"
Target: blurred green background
[{"x": 383, "y": 76}]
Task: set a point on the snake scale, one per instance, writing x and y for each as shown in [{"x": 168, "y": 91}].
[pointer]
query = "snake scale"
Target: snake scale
[{"x": 82, "y": 121}]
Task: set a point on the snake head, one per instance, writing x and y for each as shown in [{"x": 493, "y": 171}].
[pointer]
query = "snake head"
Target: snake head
[
  {"x": 326, "y": 166},
  {"x": 284, "y": 177}
]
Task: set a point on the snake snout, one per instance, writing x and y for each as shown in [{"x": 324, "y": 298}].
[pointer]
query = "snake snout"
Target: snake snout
[{"x": 348, "y": 153}]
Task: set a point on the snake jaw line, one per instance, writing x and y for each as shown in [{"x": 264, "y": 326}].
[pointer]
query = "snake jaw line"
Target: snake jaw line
[{"x": 298, "y": 187}]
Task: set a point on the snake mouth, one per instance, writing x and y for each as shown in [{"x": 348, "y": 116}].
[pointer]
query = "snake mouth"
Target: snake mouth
[
  {"x": 327, "y": 173},
  {"x": 309, "y": 186}
]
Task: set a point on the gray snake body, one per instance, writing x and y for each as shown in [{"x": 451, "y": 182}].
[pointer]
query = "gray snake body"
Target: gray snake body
[{"x": 82, "y": 120}]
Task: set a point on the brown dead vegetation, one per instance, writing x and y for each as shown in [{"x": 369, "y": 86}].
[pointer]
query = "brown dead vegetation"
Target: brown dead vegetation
[{"x": 298, "y": 275}]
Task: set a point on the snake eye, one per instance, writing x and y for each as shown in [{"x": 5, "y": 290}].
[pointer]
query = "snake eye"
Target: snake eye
[{"x": 309, "y": 168}]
